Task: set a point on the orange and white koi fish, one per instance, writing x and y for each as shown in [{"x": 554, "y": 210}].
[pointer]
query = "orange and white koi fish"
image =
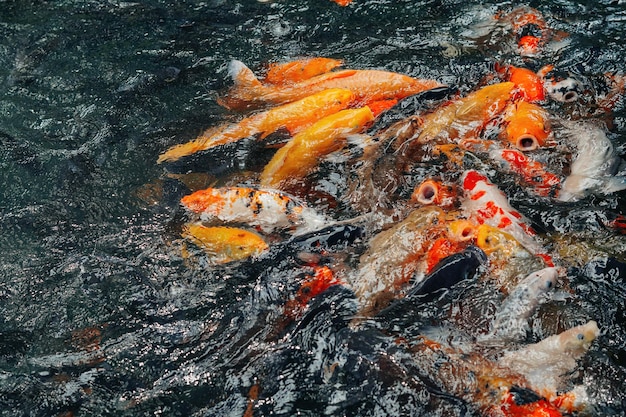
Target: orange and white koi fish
[
  {"x": 511, "y": 320},
  {"x": 530, "y": 29},
  {"x": 366, "y": 85},
  {"x": 304, "y": 151},
  {"x": 407, "y": 251},
  {"x": 532, "y": 173},
  {"x": 596, "y": 167},
  {"x": 292, "y": 116},
  {"x": 300, "y": 70},
  {"x": 267, "y": 209},
  {"x": 488, "y": 204},
  {"x": 546, "y": 363},
  {"x": 463, "y": 118},
  {"x": 491, "y": 389},
  {"x": 225, "y": 244},
  {"x": 527, "y": 126}
]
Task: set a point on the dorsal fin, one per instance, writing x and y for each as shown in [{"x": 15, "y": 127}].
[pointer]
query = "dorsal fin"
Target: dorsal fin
[{"x": 242, "y": 75}]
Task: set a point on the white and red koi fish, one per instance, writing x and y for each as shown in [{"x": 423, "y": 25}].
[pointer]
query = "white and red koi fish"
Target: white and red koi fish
[
  {"x": 531, "y": 172},
  {"x": 488, "y": 204},
  {"x": 596, "y": 169},
  {"x": 266, "y": 209}
]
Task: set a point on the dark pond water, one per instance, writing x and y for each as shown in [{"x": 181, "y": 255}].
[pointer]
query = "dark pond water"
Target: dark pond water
[{"x": 100, "y": 315}]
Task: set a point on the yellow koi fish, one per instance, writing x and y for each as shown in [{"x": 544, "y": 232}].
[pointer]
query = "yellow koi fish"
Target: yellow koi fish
[
  {"x": 367, "y": 86},
  {"x": 293, "y": 116},
  {"x": 303, "y": 152},
  {"x": 463, "y": 118},
  {"x": 225, "y": 244}
]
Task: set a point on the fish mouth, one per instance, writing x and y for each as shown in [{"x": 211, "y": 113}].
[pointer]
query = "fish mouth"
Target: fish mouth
[
  {"x": 427, "y": 193},
  {"x": 527, "y": 143}
]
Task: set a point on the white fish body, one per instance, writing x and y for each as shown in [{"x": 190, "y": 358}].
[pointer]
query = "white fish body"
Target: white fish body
[
  {"x": 545, "y": 363},
  {"x": 595, "y": 167},
  {"x": 511, "y": 319}
]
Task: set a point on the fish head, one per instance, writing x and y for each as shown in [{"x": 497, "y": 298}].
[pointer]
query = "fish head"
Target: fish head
[
  {"x": 542, "y": 281},
  {"x": 494, "y": 241},
  {"x": 434, "y": 192},
  {"x": 528, "y": 126},
  {"x": 462, "y": 230},
  {"x": 564, "y": 90},
  {"x": 579, "y": 338}
]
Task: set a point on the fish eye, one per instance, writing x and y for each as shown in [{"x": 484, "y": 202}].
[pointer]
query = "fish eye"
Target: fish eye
[
  {"x": 548, "y": 284},
  {"x": 580, "y": 336}
]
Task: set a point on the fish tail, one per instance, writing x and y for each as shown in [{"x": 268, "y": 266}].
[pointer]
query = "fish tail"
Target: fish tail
[{"x": 246, "y": 87}]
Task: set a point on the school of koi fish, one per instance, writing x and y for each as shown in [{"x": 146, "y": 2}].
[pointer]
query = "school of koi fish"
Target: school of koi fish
[{"x": 421, "y": 203}]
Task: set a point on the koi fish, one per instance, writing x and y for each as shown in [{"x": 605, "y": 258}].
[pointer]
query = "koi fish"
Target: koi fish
[
  {"x": 565, "y": 90},
  {"x": 530, "y": 29},
  {"x": 266, "y": 209},
  {"x": 545, "y": 363},
  {"x": 529, "y": 83},
  {"x": 488, "y": 387},
  {"x": 393, "y": 257},
  {"x": 489, "y": 205},
  {"x": 532, "y": 173},
  {"x": 293, "y": 116},
  {"x": 465, "y": 117},
  {"x": 366, "y": 85},
  {"x": 313, "y": 286},
  {"x": 405, "y": 252},
  {"x": 303, "y": 152},
  {"x": 527, "y": 125},
  {"x": 300, "y": 70},
  {"x": 511, "y": 319},
  {"x": 595, "y": 168},
  {"x": 342, "y": 2},
  {"x": 508, "y": 259},
  {"x": 225, "y": 244}
]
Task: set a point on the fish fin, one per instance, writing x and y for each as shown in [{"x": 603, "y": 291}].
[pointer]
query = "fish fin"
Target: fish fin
[{"x": 242, "y": 76}]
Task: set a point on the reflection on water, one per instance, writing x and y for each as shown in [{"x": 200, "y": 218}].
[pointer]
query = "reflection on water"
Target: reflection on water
[{"x": 99, "y": 312}]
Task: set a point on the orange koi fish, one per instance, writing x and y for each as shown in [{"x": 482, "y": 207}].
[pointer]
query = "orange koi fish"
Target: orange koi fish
[
  {"x": 266, "y": 209},
  {"x": 292, "y": 116},
  {"x": 527, "y": 126},
  {"x": 303, "y": 152},
  {"x": 366, "y": 85},
  {"x": 300, "y": 70},
  {"x": 225, "y": 244},
  {"x": 489, "y": 205},
  {"x": 532, "y": 173},
  {"x": 342, "y": 2},
  {"x": 493, "y": 390},
  {"x": 313, "y": 286},
  {"x": 465, "y": 117},
  {"x": 529, "y": 83}
]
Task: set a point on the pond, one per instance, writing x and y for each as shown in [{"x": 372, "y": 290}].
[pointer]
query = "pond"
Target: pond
[{"x": 104, "y": 310}]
